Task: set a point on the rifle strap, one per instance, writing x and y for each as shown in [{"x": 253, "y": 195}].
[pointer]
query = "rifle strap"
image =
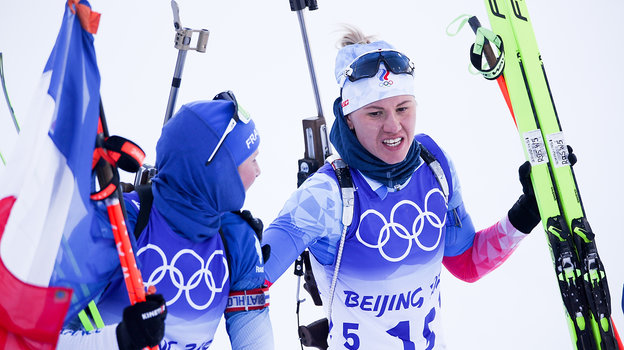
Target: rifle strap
[
  {"x": 146, "y": 198},
  {"x": 345, "y": 182}
]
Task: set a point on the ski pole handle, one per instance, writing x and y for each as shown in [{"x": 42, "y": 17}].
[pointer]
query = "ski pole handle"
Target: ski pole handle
[{"x": 490, "y": 57}]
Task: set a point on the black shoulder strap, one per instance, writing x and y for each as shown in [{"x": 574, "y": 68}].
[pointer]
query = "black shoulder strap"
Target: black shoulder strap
[
  {"x": 228, "y": 257},
  {"x": 345, "y": 183},
  {"x": 255, "y": 224},
  {"x": 436, "y": 168},
  {"x": 146, "y": 197}
]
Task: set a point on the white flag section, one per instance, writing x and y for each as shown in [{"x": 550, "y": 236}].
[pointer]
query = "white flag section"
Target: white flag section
[
  {"x": 42, "y": 190},
  {"x": 44, "y": 196}
]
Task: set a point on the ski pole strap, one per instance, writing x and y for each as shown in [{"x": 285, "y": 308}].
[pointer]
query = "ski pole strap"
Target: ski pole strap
[
  {"x": 126, "y": 154},
  {"x": 477, "y": 49},
  {"x": 107, "y": 189},
  {"x": 247, "y": 300},
  {"x": 118, "y": 152},
  {"x": 462, "y": 20}
]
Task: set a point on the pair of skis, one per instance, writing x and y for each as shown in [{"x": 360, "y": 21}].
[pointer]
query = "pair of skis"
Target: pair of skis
[{"x": 579, "y": 270}]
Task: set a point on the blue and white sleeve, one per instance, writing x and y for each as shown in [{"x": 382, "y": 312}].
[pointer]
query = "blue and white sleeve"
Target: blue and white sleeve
[
  {"x": 310, "y": 218},
  {"x": 460, "y": 231},
  {"x": 247, "y": 329},
  {"x": 250, "y": 330}
]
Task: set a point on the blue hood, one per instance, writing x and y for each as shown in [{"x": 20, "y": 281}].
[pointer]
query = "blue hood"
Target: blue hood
[{"x": 189, "y": 194}]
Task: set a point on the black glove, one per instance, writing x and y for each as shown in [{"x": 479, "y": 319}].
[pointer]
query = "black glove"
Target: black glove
[
  {"x": 258, "y": 227},
  {"x": 571, "y": 156},
  {"x": 143, "y": 324},
  {"x": 255, "y": 223},
  {"x": 524, "y": 214},
  {"x": 266, "y": 252}
]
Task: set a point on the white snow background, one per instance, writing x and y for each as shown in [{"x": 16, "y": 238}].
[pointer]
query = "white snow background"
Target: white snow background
[{"x": 255, "y": 49}]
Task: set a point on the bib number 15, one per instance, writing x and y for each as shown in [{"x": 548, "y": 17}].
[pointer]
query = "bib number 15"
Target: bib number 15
[{"x": 401, "y": 331}]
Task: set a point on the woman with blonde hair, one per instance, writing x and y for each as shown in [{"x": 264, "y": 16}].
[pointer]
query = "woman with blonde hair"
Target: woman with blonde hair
[{"x": 379, "y": 275}]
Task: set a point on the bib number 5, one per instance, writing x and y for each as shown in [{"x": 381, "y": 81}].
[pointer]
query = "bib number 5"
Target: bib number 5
[{"x": 352, "y": 340}]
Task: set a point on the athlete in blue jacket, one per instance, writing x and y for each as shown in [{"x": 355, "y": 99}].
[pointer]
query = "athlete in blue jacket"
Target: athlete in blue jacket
[
  {"x": 379, "y": 272},
  {"x": 198, "y": 250}
]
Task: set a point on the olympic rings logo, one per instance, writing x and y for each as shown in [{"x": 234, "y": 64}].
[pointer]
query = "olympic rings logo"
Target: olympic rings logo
[
  {"x": 401, "y": 231},
  {"x": 178, "y": 279},
  {"x": 386, "y": 83}
]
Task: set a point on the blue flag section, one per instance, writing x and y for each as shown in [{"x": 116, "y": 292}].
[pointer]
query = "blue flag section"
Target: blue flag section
[{"x": 74, "y": 86}]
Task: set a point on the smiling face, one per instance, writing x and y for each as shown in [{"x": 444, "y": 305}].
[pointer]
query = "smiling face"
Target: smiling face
[
  {"x": 249, "y": 170},
  {"x": 386, "y": 127}
]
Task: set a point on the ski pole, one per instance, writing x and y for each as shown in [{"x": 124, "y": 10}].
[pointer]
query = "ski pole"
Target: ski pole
[
  {"x": 113, "y": 201},
  {"x": 314, "y": 128},
  {"x": 6, "y": 95},
  {"x": 584, "y": 291},
  {"x": 182, "y": 42},
  {"x": 562, "y": 250},
  {"x": 490, "y": 57}
]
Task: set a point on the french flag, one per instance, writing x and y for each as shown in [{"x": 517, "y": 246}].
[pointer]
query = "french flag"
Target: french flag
[{"x": 44, "y": 192}]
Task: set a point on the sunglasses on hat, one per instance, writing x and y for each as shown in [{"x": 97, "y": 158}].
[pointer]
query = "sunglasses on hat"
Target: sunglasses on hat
[
  {"x": 240, "y": 115},
  {"x": 367, "y": 65}
]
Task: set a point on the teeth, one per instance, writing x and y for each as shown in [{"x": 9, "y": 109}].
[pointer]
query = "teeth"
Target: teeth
[{"x": 393, "y": 142}]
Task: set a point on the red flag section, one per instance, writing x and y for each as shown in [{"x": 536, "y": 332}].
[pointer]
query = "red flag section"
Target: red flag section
[
  {"x": 31, "y": 317},
  {"x": 89, "y": 20}
]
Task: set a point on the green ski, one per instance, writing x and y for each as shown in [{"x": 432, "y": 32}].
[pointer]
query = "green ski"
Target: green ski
[{"x": 579, "y": 270}]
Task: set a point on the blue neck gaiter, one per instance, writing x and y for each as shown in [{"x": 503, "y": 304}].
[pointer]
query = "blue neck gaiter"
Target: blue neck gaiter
[{"x": 354, "y": 154}]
